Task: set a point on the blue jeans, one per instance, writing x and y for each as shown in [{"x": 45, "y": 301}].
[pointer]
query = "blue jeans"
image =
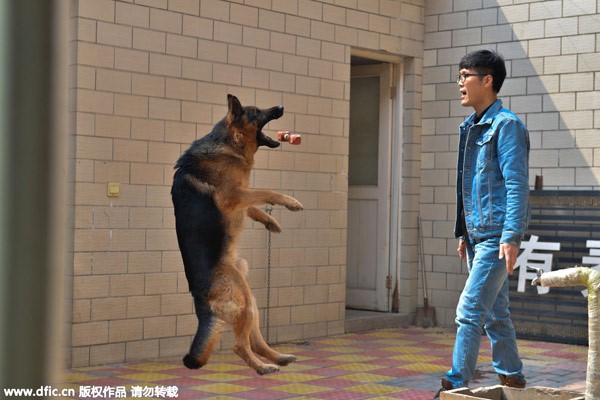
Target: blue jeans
[{"x": 484, "y": 302}]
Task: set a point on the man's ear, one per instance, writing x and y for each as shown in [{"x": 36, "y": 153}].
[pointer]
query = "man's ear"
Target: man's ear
[
  {"x": 488, "y": 80},
  {"x": 235, "y": 108}
]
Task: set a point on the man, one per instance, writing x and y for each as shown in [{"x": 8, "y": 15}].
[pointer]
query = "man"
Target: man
[{"x": 492, "y": 215}]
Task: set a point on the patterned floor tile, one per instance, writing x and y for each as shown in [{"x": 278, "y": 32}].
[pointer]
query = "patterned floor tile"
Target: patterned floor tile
[
  {"x": 404, "y": 363},
  {"x": 148, "y": 376},
  {"x": 221, "y": 388}
]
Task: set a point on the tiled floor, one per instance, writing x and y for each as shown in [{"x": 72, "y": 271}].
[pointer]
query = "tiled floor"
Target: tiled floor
[{"x": 402, "y": 363}]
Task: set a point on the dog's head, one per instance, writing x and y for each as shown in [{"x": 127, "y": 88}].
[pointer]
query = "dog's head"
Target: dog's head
[{"x": 248, "y": 121}]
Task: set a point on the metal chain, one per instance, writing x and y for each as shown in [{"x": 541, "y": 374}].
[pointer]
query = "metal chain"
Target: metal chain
[{"x": 267, "y": 311}]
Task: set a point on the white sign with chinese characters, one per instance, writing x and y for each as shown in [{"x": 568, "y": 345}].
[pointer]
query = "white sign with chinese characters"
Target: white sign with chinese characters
[{"x": 530, "y": 256}]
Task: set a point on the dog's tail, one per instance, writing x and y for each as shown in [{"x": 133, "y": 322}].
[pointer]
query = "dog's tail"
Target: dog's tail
[{"x": 206, "y": 335}]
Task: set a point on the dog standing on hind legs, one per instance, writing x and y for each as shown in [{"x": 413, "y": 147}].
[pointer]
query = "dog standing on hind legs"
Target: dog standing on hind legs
[{"x": 211, "y": 198}]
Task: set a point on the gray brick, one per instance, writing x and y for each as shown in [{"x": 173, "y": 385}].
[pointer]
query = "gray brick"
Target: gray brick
[
  {"x": 513, "y": 14},
  {"x": 586, "y": 138},
  {"x": 543, "y": 158},
  {"x": 485, "y": 17},
  {"x": 560, "y": 65},
  {"x": 528, "y": 30},
  {"x": 447, "y": 195},
  {"x": 542, "y": 84},
  {"x": 576, "y": 82},
  {"x": 578, "y": 44},
  {"x": 437, "y": 75},
  {"x": 514, "y": 50},
  {"x": 589, "y": 24},
  {"x": 575, "y": 157},
  {"x": 455, "y": 281},
  {"x": 526, "y": 67},
  {"x": 544, "y": 47},
  {"x": 434, "y": 178},
  {"x": 497, "y": 33},
  {"x": 438, "y": 7},
  {"x": 526, "y": 104},
  {"x": 453, "y": 21},
  {"x": 588, "y": 101},
  {"x": 467, "y": 5},
  {"x": 436, "y": 109},
  {"x": 465, "y": 37},
  {"x": 579, "y": 7},
  {"x": 447, "y": 91},
  {"x": 451, "y": 57},
  {"x": 535, "y": 138},
  {"x": 559, "y": 176},
  {"x": 542, "y": 121},
  {"x": 577, "y": 120},
  {"x": 496, "y": 3},
  {"x": 457, "y": 110},
  {"x": 445, "y": 160},
  {"x": 437, "y": 40},
  {"x": 429, "y": 93},
  {"x": 561, "y": 27},
  {"x": 587, "y": 176},
  {"x": 431, "y": 23},
  {"x": 514, "y": 86},
  {"x": 558, "y": 139},
  {"x": 545, "y": 10},
  {"x": 588, "y": 62},
  {"x": 430, "y": 58},
  {"x": 558, "y": 102}
]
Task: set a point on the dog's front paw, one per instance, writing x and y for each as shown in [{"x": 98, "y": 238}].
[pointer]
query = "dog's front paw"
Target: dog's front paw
[
  {"x": 272, "y": 225},
  {"x": 292, "y": 204}
]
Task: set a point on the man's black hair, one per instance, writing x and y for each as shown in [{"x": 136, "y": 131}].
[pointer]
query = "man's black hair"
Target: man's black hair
[{"x": 486, "y": 62}]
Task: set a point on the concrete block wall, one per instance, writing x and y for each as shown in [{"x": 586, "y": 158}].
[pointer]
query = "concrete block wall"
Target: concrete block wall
[
  {"x": 552, "y": 52},
  {"x": 150, "y": 76}
]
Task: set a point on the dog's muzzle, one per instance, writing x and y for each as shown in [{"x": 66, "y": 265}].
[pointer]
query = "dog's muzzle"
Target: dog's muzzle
[{"x": 262, "y": 139}]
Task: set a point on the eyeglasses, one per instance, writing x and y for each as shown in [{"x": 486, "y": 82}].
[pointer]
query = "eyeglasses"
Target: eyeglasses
[{"x": 460, "y": 78}]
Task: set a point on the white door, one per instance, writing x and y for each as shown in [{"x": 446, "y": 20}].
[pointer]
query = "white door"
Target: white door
[{"x": 368, "y": 263}]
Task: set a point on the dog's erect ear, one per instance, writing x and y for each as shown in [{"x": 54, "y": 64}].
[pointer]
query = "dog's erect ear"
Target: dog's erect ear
[{"x": 235, "y": 108}]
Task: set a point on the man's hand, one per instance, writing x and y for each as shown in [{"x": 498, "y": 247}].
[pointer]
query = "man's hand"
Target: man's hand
[
  {"x": 462, "y": 249},
  {"x": 510, "y": 253}
]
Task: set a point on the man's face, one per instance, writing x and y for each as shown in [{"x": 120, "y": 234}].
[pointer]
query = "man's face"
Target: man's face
[{"x": 474, "y": 88}]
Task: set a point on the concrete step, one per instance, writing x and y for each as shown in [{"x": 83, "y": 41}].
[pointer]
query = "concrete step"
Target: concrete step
[{"x": 362, "y": 320}]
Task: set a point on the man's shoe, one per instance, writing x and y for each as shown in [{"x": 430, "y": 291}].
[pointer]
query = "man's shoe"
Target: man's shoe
[
  {"x": 515, "y": 381},
  {"x": 446, "y": 385}
]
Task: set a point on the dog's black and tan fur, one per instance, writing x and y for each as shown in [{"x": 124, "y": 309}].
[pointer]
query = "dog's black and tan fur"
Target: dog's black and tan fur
[{"x": 211, "y": 198}]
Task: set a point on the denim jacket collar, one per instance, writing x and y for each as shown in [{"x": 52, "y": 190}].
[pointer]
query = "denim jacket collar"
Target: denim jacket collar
[{"x": 487, "y": 117}]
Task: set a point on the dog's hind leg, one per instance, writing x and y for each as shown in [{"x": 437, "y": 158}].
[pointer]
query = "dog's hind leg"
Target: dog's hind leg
[
  {"x": 243, "y": 324},
  {"x": 231, "y": 301},
  {"x": 257, "y": 343},
  {"x": 261, "y": 347},
  {"x": 206, "y": 336},
  {"x": 242, "y": 327}
]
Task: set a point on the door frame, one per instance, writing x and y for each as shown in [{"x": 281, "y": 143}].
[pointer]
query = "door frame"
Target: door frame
[
  {"x": 396, "y": 203},
  {"x": 391, "y": 177}
]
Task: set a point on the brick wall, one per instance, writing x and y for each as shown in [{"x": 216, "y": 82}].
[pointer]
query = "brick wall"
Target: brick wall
[
  {"x": 552, "y": 50},
  {"x": 151, "y": 76}
]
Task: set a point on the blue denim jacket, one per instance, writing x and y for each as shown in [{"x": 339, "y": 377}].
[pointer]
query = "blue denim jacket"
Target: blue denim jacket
[{"x": 492, "y": 185}]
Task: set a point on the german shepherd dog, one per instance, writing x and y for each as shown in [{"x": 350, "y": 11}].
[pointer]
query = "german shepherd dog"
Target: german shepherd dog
[{"x": 211, "y": 198}]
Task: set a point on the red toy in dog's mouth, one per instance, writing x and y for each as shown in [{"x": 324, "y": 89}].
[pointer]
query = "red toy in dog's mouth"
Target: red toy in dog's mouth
[{"x": 291, "y": 138}]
